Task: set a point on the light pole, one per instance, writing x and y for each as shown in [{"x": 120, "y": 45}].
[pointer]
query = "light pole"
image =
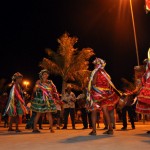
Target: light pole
[{"x": 135, "y": 36}]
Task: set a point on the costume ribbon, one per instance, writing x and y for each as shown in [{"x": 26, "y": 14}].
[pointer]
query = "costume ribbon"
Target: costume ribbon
[
  {"x": 11, "y": 102},
  {"x": 89, "y": 98}
]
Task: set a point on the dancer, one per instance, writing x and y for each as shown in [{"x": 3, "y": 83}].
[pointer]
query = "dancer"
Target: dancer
[
  {"x": 45, "y": 98},
  {"x": 16, "y": 104},
  {"x": 143, "y": 97},
  {"x": 101, "y": 93}
]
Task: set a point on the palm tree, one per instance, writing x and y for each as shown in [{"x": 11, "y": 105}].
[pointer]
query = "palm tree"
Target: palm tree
[{"x": 69, "y": 62}]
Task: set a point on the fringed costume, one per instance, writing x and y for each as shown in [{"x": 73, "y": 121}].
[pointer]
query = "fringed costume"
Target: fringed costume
[{"x": 45, "y": 97}]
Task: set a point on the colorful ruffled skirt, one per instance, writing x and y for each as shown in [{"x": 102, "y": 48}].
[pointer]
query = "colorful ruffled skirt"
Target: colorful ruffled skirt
[
  {"x": 39, "y": 104},
  {"x": 104, "y": 98},
  {"x": 143, "y": 101}
]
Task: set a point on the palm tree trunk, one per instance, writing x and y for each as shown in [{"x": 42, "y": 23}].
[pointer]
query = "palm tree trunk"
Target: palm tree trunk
[{"x": 63, "y": 86}]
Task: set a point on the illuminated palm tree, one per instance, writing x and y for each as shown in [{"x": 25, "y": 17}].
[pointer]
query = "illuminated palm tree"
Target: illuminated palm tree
[{"x": 68, "y": 62}]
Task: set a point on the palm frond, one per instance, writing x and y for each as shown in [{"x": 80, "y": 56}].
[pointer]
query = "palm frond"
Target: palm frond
[
  {"x": 66, "y": 44},
  {"x": 66, "y": 48},
  {"x": 80, "y": 78},
  {"x": 81, "y": 60},
  {"x": 51, "y": 66},
  {"x": 75, "y": 86},
  {"x": 55, "y": 57}
]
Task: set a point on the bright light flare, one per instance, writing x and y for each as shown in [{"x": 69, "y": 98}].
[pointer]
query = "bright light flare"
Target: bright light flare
[{"x": 26, "y": 83}]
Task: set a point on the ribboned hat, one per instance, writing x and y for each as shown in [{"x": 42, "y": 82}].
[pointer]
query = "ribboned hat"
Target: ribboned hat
[
  {"x": 99, "y": 61},
  {"x": 43, "y": 71},
  {"x": 16, "y": 76}
]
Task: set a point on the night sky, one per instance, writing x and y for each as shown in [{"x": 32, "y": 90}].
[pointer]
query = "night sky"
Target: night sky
[{"x": 104, "y": 25}]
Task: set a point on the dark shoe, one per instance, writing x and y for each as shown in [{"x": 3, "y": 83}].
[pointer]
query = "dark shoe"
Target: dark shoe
[
  {"x": 52, "y": 131},
  {"x": 28, "y": 127},
  {"x": 133, "y": 127},
  {"x": 123, "y": 128},
  {"x": 85, "y": 128},
  {"x": 98, "y": 126},
  {"x": 36, "y": 131},
  {"x": 73, "y": 128},
  {"x": 114, "y": 127},
  {"x": 148, "y": 132},
  {"x": 11, "y": 129},
  {"x": 64, "y": 128},
  {"x": 105, "y": 128},
  {"x": 109, "y": 132},
  {"x": 18, "y": 130},
  {"x": 58, "y": 128},
  {"x": 40, "y": 128},
  {"x": 92, "y": 133}
]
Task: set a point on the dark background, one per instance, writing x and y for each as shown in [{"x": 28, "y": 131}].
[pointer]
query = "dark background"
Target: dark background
[{"x": 28, "y": 27}]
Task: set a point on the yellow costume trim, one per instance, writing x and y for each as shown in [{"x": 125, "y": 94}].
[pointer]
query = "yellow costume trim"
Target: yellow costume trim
[{"x": 103, "y": 89}]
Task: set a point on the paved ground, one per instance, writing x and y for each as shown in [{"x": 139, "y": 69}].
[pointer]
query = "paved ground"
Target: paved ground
[{"x": 76, "y": 139}]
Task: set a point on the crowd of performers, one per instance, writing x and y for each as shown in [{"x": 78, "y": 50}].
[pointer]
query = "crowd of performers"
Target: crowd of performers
[{"x": 100, "y": 95}]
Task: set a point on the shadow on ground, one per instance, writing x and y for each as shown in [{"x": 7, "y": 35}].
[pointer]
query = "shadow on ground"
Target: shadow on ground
[
  {"x": 85, "y": 138},
  {"x": 144, "y": 134},
  {"x": 14, "y": 133},
  {"x": 146, "y": 141}
]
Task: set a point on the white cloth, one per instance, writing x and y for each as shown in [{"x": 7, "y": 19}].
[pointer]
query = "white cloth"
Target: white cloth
[{"x": 69, "y": 100}]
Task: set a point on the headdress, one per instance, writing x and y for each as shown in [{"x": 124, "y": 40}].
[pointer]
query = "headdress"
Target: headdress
[
  {"x": 99, "y": 61},
  {"x": 16, "y": 76},
  {"x": 43, "y": 71}
]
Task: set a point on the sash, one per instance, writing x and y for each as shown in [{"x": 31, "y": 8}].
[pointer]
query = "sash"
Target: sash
[
  {"x": 11, "y": 102},
  {"x": 89, "y": 98}
]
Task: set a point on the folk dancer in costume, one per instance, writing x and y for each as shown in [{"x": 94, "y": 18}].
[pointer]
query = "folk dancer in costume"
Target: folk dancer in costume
[
  {"x": 101, "y": 93},
  {"x": 45, "y": 98},
  {"x": 143, "y": 98},
  {"x": 16, "y": 104}
]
